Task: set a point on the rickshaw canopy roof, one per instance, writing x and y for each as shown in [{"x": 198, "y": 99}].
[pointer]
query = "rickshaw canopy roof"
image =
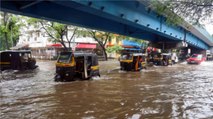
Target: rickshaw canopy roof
[
  {"x": 77, "y": 54},
  {"x": 166, "y": 54},
  {"x": 15, "y": 51}
]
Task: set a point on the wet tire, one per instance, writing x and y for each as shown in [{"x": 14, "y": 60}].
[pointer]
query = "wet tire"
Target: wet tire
[
  {"x": 57, "y": 78},
  {"x": 71, "y": 78}
]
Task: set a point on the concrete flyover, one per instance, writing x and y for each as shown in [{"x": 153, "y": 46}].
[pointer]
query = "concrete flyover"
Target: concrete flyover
[{"x": 130, "y": 18}]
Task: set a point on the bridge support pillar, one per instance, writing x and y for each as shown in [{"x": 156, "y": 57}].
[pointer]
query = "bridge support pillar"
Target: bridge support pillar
[{"x": 211, "y": 50}]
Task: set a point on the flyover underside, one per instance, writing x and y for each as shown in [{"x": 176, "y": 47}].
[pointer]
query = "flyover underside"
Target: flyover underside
[
  {"x": 72, "y": 12},
  {"x": 72, "y": 16}
]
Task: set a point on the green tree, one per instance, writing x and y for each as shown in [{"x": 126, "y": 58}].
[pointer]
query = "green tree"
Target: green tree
[
  {"x": 102, "y": 38},
  {"x": 194, "y": 11},
  {"x": 114, "y": 48},
  {"x": 57, "y": 31},
  {"x": 9, "y": 30}
]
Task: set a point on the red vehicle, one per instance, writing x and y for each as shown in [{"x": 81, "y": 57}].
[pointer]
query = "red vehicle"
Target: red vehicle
[{"x": 196, "y": 59}]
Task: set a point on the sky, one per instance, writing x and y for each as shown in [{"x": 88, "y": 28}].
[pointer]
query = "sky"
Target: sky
[
  {"x": 209, "y": 28},
  {"x": 208, "y": 24}
]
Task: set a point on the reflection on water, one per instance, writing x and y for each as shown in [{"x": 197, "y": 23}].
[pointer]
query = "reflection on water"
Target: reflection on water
[{"x": 178, "y": 91}]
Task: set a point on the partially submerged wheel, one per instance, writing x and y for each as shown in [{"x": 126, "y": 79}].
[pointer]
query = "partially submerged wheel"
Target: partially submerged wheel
[{"x": 57, "y": 78}]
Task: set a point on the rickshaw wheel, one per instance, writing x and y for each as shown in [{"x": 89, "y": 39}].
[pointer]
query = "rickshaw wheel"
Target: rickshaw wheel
[
  {"x": 71, "y": 78},
  {"x": 57, "y": 78}
]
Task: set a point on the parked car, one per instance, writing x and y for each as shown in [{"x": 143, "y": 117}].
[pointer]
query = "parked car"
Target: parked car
[{"x": 196, "y": 59}]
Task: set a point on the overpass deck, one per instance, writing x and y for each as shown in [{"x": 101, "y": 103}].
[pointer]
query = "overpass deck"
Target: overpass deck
[{"x": 130, "y": 18}]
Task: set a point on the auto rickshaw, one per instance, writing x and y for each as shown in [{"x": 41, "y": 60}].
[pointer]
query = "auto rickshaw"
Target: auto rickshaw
[
  {"x": 166, "y": 59},
  {"x": 17, "y": 60},
  {"x": 71, "y": 65},
  {"x": 157, "y": 59},
  {"x": 144, "y": 61},
  {"x": 132, "y": 61},
  {"x": 163, "y": 59}
]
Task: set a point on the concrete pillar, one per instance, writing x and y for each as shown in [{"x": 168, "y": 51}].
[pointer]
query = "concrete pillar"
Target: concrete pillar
[{"x": 211, "y": 50}]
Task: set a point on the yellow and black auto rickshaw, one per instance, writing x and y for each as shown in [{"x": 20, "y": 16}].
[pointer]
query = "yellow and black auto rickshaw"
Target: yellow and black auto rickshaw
[
  {"x": 131, "y": 61},
  {"x": 70, "y": 65},
  {"x": 17, "y": 60},
  {"x": 166, "y": 59},
  {"x": 144, "y": 61},
  {"x": 157, "y": 59},
  {"x": 163, "y": 59}
]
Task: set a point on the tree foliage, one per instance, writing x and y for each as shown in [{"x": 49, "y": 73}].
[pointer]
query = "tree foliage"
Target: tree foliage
[
  {"x": 102, "y": 38},
  {"x": 9, "y": 30},
  {"x": 114, "y": 48},
  {"x": 194, "y": 11},
  {"x": 60, "y": 33},
  {"x": 57, "y": 31}
]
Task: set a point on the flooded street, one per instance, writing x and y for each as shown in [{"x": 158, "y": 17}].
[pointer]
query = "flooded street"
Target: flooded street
[{"x": 178, "y": 91}]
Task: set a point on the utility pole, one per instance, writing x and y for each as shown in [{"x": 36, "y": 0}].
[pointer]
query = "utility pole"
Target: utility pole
[{"x": 11, "y": 35}]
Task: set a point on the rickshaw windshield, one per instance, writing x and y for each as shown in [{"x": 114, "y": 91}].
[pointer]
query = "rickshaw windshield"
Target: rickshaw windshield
[
  {"x": 166, "y": 56},
  {"x": 64, "y": 57},
  {"x": 126, "y": 57}
]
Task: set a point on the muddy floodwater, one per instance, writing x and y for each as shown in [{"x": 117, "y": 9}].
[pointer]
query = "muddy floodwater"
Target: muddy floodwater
[{"x": 178, "y": 91}]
